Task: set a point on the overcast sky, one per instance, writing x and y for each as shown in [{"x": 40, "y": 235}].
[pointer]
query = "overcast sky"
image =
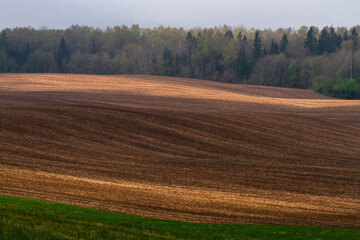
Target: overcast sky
[{"x": 179, "y": 13}]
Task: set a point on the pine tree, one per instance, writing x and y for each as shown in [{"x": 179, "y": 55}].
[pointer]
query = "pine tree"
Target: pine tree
[
  {"x": 265, "y": 52},
  {"x": 190, "y": 40},
  {"x": 62, "y": 55},
  {"x": 243, "y": 68},
  {"x": 323, "y": 43},
  {"x": 256, "y": 52},
  {"x": 354, "y": 36},
  {"x": 339, "y": 41},
  {"x": 274, "y": 49},
  {"x": 346, "y": 35},
  {"x": 334, "y": 40},
  {"x": 191, "y": 44},
  {"x": 239, "y": 37},
  {"x": 229, "y": 34},
  {"x": 3, "y": 40},
  {"x": 284, "y": 42},
  {"x": 310, "y": 41}
]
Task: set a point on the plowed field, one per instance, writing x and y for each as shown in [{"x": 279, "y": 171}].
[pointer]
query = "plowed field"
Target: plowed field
[{"x": 181, "y": 149}]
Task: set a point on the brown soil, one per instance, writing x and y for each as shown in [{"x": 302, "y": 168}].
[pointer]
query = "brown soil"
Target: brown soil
[{"x": 181, "y": 149}]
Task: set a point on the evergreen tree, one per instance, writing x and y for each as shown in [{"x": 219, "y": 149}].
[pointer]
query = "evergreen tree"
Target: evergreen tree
[
  {"x": 242, "y": 66},
  {"x": 243, "y": 69},
  {"x": 339, "y": 41},
  {"x": 272, "y": 46},
  {"x": 265, "y": 52},
  {"x": 284, "y": 42},
  {"x": 190, "y": 42},
  {"x": 229, "y": 34},
  {"x": 3, "y": 40},
  {"x": 274, "y": 49},
  {"x": 256, "y": 52},
  {"x": 323, "y": 43},
  {"x": 62, "y": 55},
  {"x": 346, "y": 35},
  {"x": 334, "y": 41},
  {"x": 354, "y": 36},
  {"x": 310, "y": 41},
  {"x": 239, "y": 37}
]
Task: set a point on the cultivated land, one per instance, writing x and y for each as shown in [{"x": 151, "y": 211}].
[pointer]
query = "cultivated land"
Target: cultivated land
[{"x": 181, "y": 149}]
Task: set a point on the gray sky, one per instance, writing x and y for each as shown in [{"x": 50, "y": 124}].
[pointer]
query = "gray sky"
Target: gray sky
[{"x": 179, "y": 13}]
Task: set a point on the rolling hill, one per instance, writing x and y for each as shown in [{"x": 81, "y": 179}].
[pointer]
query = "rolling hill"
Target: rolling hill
[{"x": 181, "y": 149}]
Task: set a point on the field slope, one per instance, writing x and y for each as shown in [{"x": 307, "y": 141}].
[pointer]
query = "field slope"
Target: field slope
[
  {"x": 181, "y": 149},
  {"x": 34, "y": 219}
]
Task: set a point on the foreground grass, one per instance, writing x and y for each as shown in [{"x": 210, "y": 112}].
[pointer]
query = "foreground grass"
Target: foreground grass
[{"x": 34, "y": 219}]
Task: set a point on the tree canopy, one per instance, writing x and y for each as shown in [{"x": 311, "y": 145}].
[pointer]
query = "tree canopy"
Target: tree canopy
[{"x": 305, "y": 58}]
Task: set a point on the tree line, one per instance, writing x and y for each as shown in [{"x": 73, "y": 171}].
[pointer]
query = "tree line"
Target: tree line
[{"x": 326, "y": 60}]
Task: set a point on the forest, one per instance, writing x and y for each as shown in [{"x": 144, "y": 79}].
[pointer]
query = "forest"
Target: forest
[{"x": 326, "y": 61}]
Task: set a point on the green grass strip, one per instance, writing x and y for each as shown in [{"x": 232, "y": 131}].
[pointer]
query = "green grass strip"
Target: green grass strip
[{"x": 22, "y": 218}]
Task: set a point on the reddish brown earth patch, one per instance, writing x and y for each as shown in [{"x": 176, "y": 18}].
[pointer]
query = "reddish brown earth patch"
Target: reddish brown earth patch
[{"x": 191, "y": 159}]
